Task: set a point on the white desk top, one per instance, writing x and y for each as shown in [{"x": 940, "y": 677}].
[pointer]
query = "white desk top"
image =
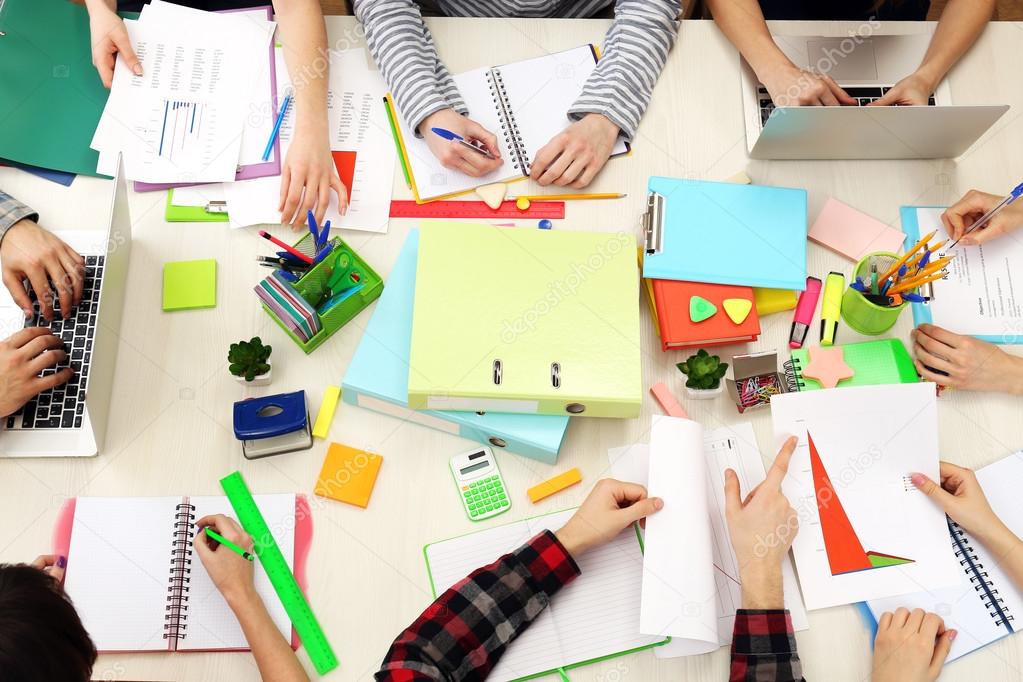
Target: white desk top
[{"x": 171, "y": 433}]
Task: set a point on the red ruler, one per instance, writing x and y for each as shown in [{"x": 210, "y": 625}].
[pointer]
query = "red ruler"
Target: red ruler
[{"x": 476, "y": 210}]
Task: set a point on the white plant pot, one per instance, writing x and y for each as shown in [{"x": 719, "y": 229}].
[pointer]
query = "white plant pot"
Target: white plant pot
[
  {"x": 260, "y": 380},
  {"x": 705, "y": 393}
]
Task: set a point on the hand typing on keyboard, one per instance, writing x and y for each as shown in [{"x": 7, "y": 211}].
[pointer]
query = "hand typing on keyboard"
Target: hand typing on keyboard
[
  {"x": 28, "y": 252},
  {"x": 914, "y": 89},
  {"x": 790, "y": 86},
  {"x": 23, "y": 357}
]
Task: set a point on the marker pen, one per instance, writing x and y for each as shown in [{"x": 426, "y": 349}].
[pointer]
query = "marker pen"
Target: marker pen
[
  {"x": 831, "y": 307},
  {"x": 804, "y": 312}
]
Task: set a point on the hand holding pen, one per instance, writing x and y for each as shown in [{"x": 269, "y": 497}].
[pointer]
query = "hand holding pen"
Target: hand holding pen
[
  {"x": 463, "y": 145},
  {"x": 980, "y": 217}
]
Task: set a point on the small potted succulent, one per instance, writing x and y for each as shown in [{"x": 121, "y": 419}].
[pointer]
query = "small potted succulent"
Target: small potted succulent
[
  {"x": 250, "y": 362},
  {"x": 703, "y": 374}
]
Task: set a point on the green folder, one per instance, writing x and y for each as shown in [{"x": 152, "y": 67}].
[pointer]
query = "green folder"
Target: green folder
[
  {"x": 190, "y": 214},
  {"x": 885, "y": 361},
  {"x": 525, "y": 321},
  {"x": 51, "y": 97},
  {"x": 190, "y": 284}
]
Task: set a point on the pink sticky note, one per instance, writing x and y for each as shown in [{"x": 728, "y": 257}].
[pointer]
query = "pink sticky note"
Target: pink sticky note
[
  {"x": 851, "y": 233},
  {"x": 667, "y": 401}
]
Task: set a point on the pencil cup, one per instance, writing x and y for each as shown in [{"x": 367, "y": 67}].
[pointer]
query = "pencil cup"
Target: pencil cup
[{"x": 862, "y": 315}]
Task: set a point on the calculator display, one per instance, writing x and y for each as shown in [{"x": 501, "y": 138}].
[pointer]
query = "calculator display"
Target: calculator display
[{"x": 474, "y": 467}]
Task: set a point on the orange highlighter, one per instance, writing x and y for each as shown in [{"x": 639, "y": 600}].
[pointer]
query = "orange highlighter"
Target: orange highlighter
[{"x": 804, "y": 312}]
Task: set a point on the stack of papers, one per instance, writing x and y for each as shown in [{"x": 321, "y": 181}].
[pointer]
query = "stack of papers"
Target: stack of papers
[{"x": 189, "y": 117}]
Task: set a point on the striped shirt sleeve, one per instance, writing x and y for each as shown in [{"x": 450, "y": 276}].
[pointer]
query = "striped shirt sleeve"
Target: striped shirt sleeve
[
  {"x": 635, "y": 50},
  {"x": 11, "y": 211},
  {"x": 403, "y": 48}
]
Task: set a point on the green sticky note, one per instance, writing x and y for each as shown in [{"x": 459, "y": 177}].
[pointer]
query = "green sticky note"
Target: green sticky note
[{"x": 190, "y": 284}]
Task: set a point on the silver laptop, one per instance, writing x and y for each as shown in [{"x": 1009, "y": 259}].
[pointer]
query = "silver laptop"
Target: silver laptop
[
  {"x": 866, "y": 67},
  {"x": 71, "y": 420}
]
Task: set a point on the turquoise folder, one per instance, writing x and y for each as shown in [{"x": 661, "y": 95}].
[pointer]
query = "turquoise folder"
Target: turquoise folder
[
  {"x": 724, "y": 233},
  {"x": 377, "y": 377}
]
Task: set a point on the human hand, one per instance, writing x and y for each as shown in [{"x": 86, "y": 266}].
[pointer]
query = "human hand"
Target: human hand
[
  {"x": 575, "y": 155},
  {"x": 761, "y": 529},
  {"x": 110, "y": 37},
  {"x": 22, "y": 357},
  {"x": 790, "y": 86},
  {"x": 609, "y": 508},
  {"x": 958, "y": 217},
  {"x": 230, "y": 573},
  {"x": 455, "y": 156},
  {"x": 52, "y": 565},
  {"x": 307, "y": 178},
  {"x": 961, "y": 497},
  {"x": 30, "y": 252},
  {"x": 910, "y": 647},
  {"x": 968, "y": 362},
  {"x": 914, "y": 89}
]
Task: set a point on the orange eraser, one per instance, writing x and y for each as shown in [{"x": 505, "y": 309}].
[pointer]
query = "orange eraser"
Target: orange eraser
[
  {"x": 348, "y": 475},
  {"x": 667, "y": 401},
  {"x": 554, "y": 485}
]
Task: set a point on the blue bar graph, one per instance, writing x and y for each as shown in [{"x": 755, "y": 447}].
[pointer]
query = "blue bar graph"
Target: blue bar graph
[{"x": 181, "y": 127}]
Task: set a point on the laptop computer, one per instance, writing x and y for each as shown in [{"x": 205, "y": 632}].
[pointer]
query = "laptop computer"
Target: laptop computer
[
  {"x": 71, "y": 420},
  {"x": 866, "y": 68}
]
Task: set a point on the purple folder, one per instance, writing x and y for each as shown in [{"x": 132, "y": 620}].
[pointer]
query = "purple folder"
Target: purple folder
[{"x": 256, "y": 170}]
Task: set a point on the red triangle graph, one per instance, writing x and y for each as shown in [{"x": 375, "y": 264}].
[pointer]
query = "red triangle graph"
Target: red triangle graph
[
  {"x": 345, "y": 164},
  {"x": 845, "y": 552}
]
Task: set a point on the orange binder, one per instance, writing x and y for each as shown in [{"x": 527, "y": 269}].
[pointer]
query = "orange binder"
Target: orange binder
[{"x": 674, "y": 298}]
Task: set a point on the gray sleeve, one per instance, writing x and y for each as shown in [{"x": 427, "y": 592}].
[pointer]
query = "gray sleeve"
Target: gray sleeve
[{"x": 11, "y": 211}]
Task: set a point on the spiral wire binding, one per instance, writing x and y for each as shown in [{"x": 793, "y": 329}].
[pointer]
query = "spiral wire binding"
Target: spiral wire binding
[
  {"x": 176, "y": 616},
  {"x": 979, "y": 578},
  {"x": 793, "y": 375},
  {"x": 509, "y": 126}
]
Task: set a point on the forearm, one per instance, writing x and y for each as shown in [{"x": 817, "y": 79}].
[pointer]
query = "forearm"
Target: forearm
[
  {"x": 274, "y": 657},
  {"x": 101, "y": 4},
  {"x": 743, "y": 24},
  {"x": 960, "y": 24},
  {"x": 303, "y": 36},
  {"x": 635, "y": 50},
  {"x": 762, "y": 587}
]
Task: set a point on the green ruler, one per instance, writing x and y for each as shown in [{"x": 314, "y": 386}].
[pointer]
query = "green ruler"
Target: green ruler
[{"x": 281, "y": 577}]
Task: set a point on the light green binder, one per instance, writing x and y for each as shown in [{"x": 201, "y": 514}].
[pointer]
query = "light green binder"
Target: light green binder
[{"x": 525, "y": 321}]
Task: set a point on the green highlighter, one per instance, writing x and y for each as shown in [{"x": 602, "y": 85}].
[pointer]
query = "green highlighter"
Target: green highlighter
[{"x": 227, "y": 543}]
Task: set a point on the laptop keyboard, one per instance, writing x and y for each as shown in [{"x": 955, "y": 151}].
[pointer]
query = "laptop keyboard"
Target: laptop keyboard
[
  {"x": 63, "y": 407},
  {"x": 863, "y": 96}
]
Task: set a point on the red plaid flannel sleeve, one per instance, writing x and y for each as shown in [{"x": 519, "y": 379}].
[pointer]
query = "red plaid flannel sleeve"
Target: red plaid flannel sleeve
[
  {"x": 463, "y": 633},
  {"x": 764, "y": 647}
]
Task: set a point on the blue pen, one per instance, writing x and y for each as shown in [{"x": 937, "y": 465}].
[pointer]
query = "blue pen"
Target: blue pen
[
  {"x": 291, "y": 258},
  {"x": 913, "y": 298},
  {"x": 313, "y": 229},
  {"x": 455, "y": 137},
  {"x": 324, "y": 235},
  {"x": 277, "y": 126},
  {"x": 290, "y": 276},
  {"x": 986, "y": 218},
  {"x": 858, "y": 285}
]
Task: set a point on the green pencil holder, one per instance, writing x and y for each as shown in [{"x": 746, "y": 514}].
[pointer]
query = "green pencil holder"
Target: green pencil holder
[
  {"x": 862, "y": 315},
  {"x": 312, "y": 284}
]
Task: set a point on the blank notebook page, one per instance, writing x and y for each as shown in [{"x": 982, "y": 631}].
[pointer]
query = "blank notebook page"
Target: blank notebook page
[
  {"x": 118, "y": 569},
  {"x": 211, "y": 624}
]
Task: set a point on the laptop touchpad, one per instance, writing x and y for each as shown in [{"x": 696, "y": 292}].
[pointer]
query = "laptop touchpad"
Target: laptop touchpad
[{"x": 844, "y": 59}]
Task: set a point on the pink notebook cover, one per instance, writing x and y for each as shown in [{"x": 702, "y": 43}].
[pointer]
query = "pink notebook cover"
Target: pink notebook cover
[
  {"x": 851, "y": 233},
  {"x": 256, "y": 170},
  {"x": 303, "y": 541}
]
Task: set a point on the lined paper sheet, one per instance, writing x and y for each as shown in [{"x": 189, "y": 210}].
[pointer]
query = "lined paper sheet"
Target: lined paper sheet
[
  {"x": 211, "y": 623},
  {"x": 118, "y": 566}
]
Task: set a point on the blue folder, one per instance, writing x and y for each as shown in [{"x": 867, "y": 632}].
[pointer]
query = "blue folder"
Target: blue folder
[
  {"x": 377, "y": 378},
  {"x": 725, "y": 233},
  {"x": 922, "y": 311}
]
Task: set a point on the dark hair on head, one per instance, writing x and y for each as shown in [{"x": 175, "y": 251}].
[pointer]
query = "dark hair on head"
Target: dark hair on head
[{"x": 41, "y": 636}]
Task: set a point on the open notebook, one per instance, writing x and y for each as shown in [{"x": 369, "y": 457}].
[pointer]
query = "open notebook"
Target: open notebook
[
  {"x": 138, "y": 585},
  {"x": 596, "y": 616},
  {"x": 523, "y": 104},
  {"x": 985, "y": 607}
]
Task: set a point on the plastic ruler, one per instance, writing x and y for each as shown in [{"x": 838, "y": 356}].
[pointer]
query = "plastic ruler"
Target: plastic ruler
[
  {"x": 476, "y": 210},
  {"x": 281, "y": 577}
]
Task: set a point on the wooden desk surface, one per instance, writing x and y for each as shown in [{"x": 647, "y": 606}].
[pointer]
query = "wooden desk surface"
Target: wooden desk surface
[{"x": 171, "y": 427}]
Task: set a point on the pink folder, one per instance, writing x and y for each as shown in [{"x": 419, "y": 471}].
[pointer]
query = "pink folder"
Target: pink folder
[{"x": 851, "y": 233}]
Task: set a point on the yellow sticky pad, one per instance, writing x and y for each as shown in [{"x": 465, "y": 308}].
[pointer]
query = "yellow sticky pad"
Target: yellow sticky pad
[
  {"x": 326, "y": 414},
  {"x": 554, "y": 485},
  {"x": 348, "y": 475}
]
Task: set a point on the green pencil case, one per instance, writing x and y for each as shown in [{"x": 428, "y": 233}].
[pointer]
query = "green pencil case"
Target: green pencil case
[{"x": 313, "y": 287}]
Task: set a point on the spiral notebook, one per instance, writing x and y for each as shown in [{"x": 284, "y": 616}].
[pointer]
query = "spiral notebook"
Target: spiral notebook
[
  {"x": 137, "y": 584},
  {"x": 986, "y": 606},
  {"x": 524, "y": 104},
  {"x": 884, "y": 361}
]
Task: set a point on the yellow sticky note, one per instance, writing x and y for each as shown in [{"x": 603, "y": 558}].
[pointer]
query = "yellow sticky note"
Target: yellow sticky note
[
  {"x": 348, "y": 475},
  {"x": 326, "y": 414},
  {"x": 554, "y": 485}
]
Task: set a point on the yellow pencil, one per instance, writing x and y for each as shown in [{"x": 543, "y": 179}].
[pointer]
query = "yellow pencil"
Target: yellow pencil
[
  {"x": 916, "y": 284},
  {"x": 930, "y": 249},
  {"x": 909, "y": 254},
  {"x": 567, "y": 197},
  {"x": 933, "y": 267}
]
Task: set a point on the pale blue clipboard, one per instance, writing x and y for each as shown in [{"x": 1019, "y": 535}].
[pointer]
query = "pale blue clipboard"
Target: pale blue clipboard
[
  {"x": 377, "y": 377},
  {"x": 726, "y": 233},
  {"x": 922, "y": 311}
]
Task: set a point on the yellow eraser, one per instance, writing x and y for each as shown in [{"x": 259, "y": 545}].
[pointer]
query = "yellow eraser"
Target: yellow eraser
[
  {"x": 348, "y": 475},
  {"x": 326, "y": 414},
  {"x": 554, "y": 485}
]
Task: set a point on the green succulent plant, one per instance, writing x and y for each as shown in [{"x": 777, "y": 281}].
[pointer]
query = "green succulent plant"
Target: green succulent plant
[
  {"x": 249, "y": 358},
  {"x": 703, "y": 370}
]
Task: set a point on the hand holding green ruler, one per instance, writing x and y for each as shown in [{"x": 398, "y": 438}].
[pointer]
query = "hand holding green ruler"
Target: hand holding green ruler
[{"x": 281, "y": 577}]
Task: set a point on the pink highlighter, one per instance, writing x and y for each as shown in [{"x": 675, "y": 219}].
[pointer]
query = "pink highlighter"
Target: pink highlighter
[{"x": 804, "y": 312}]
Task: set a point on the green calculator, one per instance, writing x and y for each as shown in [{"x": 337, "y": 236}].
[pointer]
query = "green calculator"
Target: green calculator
[{"x": 480, "y": 484}]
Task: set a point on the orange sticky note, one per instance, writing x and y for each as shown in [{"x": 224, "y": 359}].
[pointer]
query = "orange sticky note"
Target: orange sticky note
[
  {"x": 554, "y": 485},
  {"x": 348, "y": 475}
]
